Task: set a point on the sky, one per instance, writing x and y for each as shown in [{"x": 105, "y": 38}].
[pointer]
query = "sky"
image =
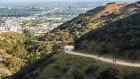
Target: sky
[{"x": 59, "y": 0}]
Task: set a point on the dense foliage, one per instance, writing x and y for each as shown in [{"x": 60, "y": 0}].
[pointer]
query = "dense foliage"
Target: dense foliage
[
  {"x": 17, "y": 51},
  {"x": 57, "y": 36},
  {"x": 28, "y": 35}
]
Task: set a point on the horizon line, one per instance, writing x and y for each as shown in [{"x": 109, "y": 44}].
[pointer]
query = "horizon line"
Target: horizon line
[{"x": 64, "y": 1}]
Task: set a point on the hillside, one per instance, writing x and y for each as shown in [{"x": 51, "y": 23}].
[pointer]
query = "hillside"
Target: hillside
[
  {"x": 121, "y": 37},
  {"x": 65, "y": 66},
  {"x": 110, "y": 29},
  {"x": 91, "y": 20},
  {"x": 8, "y": 40},
  {"x": 17, "y": 51}
]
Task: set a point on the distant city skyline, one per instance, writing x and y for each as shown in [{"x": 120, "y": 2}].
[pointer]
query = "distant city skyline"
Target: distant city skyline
[{"x": 61, "y": 0}]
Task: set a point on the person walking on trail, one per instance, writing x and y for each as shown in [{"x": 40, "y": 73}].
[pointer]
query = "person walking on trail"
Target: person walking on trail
[
  {"x": 115, "y": 60},
  {"x": 98, "y": 56},
  {"x": 133, "y": 62}
]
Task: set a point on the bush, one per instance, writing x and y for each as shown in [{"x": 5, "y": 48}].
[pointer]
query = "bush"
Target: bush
[
  {"x": 65, "y": 69},
  {"x": 79, "y": 75},
  {"x": 116, "y": 12},
  {"x": 92, "y": 68},
  {"x": 111, "y": 73},
  {"x": 105, "y": 50}
]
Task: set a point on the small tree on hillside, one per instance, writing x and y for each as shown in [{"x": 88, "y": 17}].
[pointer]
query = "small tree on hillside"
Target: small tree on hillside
[{"x": 116, "y": 13}]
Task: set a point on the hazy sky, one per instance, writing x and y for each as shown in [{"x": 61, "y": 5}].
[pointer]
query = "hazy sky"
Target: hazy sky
[{"x": 59, "y": 0}]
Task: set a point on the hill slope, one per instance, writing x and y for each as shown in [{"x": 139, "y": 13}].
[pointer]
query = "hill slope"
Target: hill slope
[
  {"x": 120, "y": 37},
  {"x": 91, "y": 20},
  {"x": 9, "y": 46},
  {"x": 16, "y": 52},
  {"x": 65, "y": 66}
]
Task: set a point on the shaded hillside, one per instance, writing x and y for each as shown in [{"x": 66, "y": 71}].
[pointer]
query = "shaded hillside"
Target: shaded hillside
[
  {"x": 121, "y": 37},
  {"x": 91, "y": 20}
]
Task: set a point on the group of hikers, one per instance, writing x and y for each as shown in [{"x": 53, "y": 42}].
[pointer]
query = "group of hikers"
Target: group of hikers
[{"x": 115, "y": 60}]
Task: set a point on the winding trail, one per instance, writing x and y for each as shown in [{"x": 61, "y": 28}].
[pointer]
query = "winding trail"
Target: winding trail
[{"x": 69, "y": 50}]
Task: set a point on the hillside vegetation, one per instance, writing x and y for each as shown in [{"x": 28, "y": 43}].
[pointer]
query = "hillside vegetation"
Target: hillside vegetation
[
  {"x": 91, "y": 20},
  {"x": 65, "y": 66},
  {"x": 17, "y": 51},
  {"x": 120, "y": 37},
  {"x": 10, "y": 44}
]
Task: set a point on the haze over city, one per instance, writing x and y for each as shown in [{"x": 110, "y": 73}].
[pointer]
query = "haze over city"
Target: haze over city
[{"x": 60, "y": 0}]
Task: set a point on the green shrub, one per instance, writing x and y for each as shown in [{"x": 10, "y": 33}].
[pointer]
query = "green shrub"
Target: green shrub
[
  {"x": 92, "y": 68},
  {"x": 65, "y": 69},
  {"x": 116, "y": 12},
  {"x": 1, "y": 78},
  {"x": 15, "y": 70},
  {"x": 79, "y": 75},
  {"x": 105, "y": 50},
  {"x": 111, "y": 73}
]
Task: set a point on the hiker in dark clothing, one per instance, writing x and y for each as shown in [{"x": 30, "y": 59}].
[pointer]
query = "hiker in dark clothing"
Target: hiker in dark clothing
[{"x": 114, "y": 60}]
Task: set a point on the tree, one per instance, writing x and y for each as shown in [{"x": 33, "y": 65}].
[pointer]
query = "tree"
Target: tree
[
  {"x": 116, "y": 12},
  {"x": 28, "y": 34},
  {"x": 48, "y": 48},
  {"x": 33, "y": 56}
]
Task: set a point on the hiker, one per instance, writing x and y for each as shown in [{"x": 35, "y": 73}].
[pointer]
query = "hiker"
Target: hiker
[
  {"x": 115, "y": 60},
  {"x": 132, "y": 61},
  {"x": 98, "y": 56}
]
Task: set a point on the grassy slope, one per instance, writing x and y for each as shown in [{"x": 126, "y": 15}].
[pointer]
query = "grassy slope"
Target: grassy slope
[
  {"x": 65, "y": 66},
  {"x": 80, "y": 64},
  {"x": 75, "y": 63}
]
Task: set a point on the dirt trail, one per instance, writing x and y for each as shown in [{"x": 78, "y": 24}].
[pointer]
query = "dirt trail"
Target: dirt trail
[{"x": 69, "y": 50}]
